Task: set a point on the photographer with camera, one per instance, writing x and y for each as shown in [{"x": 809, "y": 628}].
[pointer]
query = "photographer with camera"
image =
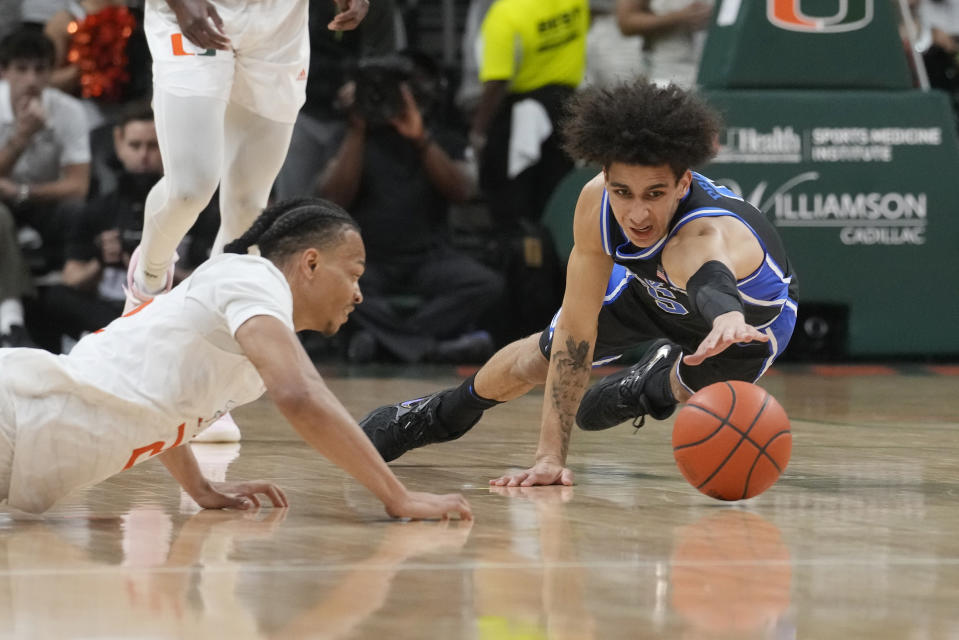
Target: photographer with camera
[{"x": 397, "y": 171}]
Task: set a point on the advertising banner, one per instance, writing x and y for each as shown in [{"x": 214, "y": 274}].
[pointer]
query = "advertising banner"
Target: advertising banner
[{"x": 864, "y": 189}]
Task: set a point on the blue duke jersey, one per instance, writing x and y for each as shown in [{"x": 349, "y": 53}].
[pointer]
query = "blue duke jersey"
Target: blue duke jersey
[{"x": 768, "y": 294}]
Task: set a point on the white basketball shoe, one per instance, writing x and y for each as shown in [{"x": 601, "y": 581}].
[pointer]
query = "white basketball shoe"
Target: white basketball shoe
[
  {"x": 222, "y": 430},
  {"x": 135, "y": 295}
]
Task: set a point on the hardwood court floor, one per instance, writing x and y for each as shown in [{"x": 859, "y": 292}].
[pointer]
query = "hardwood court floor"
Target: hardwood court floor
[{"x": 857, "y": 540}]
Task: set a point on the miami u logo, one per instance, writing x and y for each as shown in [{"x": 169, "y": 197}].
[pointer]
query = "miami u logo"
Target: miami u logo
[
  {"x": 176, "y": 40},
  {"x": 850, "y": 15}
]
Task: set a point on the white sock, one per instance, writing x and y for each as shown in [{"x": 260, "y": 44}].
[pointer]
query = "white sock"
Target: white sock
[
  {"x": 11, "y": 313},
  {"x": 185, "y": 124}
]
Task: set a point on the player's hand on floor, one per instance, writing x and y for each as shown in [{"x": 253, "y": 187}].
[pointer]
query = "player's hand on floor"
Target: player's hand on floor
[
  {"x": 422, "y": 506},
  {"x": 728, "y": 329},
  {"x": 241, "y": 495},
  {"x": 544, "y": 472}
]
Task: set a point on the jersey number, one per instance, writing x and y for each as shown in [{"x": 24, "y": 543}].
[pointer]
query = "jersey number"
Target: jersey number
[
  {"x": 154, "y": 448},
  {"x": 664, "y": 298}
]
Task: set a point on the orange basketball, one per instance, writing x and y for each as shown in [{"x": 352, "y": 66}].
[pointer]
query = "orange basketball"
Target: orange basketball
[{"x": 732, "y": 440}]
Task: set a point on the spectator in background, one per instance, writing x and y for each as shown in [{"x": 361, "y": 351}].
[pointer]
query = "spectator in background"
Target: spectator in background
[
  {"x": 611, "y": 56},
  {"x": 397, "y": 174},
  {"x": 44, "y": 152},
  {"x": 108, "y": 230},
  {"x": 333, "y": 54},
  {"x": 673, "y": 31},
  {"x": 533, "y": 56}
]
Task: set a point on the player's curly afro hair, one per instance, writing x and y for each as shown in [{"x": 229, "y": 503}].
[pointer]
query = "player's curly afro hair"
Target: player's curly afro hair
[{"x": 641, "y": 123}]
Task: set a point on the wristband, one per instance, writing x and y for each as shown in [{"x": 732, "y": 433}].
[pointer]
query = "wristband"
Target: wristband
[{"x": 712, "y": 291}]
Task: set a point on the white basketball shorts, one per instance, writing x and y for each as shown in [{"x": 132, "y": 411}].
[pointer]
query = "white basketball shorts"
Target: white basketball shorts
[{"x": 266, "y": 70}]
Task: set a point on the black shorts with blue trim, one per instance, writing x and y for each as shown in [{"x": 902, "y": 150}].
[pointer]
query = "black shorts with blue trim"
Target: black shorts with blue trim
[{"x": 625, "y": 322}]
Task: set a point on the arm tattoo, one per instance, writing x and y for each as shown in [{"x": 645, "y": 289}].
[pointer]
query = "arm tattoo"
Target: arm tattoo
[{"x": 572, "y": 371}]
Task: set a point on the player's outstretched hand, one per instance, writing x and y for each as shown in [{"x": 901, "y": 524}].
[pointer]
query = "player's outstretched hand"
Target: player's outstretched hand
[
  {"x": 200, "y": 23},
  {"x": 350, "y": 16},
  {"x": 544, "y": 472},
  {"x": 241, "y": 495},
  {"x": 728, "y": 329},
  {"x": 423, "y": 506}
]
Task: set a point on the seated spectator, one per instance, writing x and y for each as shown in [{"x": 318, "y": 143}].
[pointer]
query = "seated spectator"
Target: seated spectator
[
  {"x": 44, "y": 161},
  {"x": 398, "y": 176},
  {"x": 108, "y": 229}
]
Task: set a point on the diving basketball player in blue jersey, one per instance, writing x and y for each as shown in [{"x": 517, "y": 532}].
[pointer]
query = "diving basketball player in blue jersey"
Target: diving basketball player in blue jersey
[{"x": 661, "y": 253}]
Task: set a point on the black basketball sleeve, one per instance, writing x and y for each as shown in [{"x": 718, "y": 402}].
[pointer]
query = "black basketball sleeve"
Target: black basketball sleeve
[{"x": 712, "y": 290}]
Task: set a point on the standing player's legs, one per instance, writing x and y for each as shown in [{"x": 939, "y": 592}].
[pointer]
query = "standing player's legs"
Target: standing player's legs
[
  {"x": 269, "y": 87},
  {"x": 190, "y": 133},
  {"x": 253, "y": 151}
]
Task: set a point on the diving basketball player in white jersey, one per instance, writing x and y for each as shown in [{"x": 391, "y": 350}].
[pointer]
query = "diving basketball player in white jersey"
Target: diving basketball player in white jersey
[
  {"x": 149, "y": 381},
  {"x": 229, "y": 77}
]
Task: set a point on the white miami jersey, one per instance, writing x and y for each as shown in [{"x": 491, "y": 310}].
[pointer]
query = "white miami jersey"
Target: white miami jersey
[{"x": 147, "y": 382}]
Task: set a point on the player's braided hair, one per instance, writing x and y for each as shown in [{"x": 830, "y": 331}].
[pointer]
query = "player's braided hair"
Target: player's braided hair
[
  {"x": 293, "y": 225},
  {"x": 641, "y": 123}
]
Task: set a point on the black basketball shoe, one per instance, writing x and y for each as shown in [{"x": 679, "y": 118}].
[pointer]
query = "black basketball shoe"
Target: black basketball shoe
[
  {"x": 623, "y": 395},
  {"x": 395, "y": 429}
]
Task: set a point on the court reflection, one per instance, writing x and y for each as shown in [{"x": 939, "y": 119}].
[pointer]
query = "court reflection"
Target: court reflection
[
  {"x": 147, "y": 574},
  {"x": 731, "y": 576},
  {"x": 138, "y": 574},
  {"x": 516, "y": 599},
  {"x": 364, "y": 587}
]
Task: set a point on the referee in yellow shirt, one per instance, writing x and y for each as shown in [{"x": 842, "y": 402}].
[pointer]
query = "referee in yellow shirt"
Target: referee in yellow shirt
[{"x": 532, "y": 57}]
